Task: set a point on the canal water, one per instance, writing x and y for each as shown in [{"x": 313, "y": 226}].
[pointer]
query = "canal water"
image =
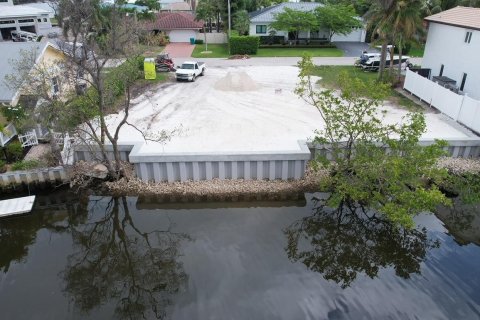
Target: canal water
[{"x": 136, "y": 258}]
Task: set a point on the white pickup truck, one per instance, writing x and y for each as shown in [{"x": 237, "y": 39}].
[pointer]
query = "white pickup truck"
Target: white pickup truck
[{"x": 189, "y": 70}]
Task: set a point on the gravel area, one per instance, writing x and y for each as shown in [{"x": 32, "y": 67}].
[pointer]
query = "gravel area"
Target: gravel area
[
  {"x": 460, "y": 165},
  {"x": 219, "y": 189}
]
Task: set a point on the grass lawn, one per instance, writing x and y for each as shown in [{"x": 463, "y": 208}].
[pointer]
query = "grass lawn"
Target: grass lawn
[
  {"x": 416, "y": 50},
  {"x": 330, "y": 74},
  {"x": 217, "y": 51},
  {"x": 221, "y": 51}
]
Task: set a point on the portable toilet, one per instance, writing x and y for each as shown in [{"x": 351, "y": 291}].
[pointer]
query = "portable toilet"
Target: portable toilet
[{"x": 149, "y": 68}]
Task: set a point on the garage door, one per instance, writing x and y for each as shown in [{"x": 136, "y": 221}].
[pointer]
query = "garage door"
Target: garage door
[
  {"x": 181, "y": 35},
  {"x": 357, "y": 35}
]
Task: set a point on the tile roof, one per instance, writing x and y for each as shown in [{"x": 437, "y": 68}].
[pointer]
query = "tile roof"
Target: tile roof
[
  {"x": 175, "y": 20},
  {"x": 459, "y": 16},
  {"x": 268, "y": 14}
]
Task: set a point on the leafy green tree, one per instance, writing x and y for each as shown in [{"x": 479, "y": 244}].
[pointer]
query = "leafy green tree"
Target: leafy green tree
[
  {"x": 294, "y": 21},
  {"x": 209, "y": 11},
  {"x": 338, "y": 19},
  {"x": 151, "y": 4},
  {"x": 371, "y": 162},
  {"x": 241, "y": 22},
  {"x": 253, "y": 5}
]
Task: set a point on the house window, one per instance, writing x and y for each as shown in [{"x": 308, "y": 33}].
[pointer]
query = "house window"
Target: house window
[
  {"x": 25, "y": 20},
  {"x": 464, "y": 78},
  {"x": 44, "y": 19},
  {"x": 468, "y": 37},
  {"x": 262, "y": 29},
  {"x": 55, "y": 85},
  {"x": 39, "y": 20},
  {"x": 441, "y": 71}
]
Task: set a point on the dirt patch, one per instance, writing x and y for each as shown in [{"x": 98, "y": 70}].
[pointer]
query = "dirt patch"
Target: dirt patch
[{"x": 236, "y": 81}]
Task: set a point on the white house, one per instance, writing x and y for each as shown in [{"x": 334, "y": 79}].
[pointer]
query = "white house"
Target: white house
[
  {"x": 260, "y": 24},
  {"x": 453, "y": 48},
  {"x": 22, "y": 17}
]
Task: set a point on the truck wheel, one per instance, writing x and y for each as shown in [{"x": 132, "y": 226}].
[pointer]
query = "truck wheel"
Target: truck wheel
[
  {"x": 193, "y": 79},
  {"x": 203, "y": 72}
]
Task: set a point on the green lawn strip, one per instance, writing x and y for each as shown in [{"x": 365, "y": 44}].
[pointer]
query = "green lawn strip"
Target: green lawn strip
[
  {"x": 329, "y": 75},
  {"x": 298, "y": 52},
  {"x": 221, "y": 51},
  {"x": 214, "y": 51}
]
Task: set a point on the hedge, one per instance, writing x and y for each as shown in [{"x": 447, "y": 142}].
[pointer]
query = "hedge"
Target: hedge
[
  {"x": 299, "y": 46},
  {"x": 198, "y": 41},
  {"x": 272, "y": 40},
  {"x": 244, "y": 45}
]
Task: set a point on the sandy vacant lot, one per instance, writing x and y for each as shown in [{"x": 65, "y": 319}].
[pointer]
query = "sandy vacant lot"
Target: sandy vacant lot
[{"x": 235, "y": 109}]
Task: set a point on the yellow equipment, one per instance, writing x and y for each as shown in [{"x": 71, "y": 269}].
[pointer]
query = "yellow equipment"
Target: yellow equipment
[{"x": 149, "y": 68}]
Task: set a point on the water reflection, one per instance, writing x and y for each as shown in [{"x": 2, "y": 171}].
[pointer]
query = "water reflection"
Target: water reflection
[
  {"x": 462, "y": 221},
  {"x": 116, "y": 262},
  {"x": 342, "y": 243}
]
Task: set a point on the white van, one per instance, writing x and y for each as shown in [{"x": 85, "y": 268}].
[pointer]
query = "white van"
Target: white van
[{"x": 22, "y": 36}]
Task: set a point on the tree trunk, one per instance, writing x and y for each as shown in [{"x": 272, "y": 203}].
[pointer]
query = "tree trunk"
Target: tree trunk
[
  {"x": 390, "y": 72},
  {"x": 400, "y": 51},
  {"x": 383, "y": 58},
  {"x": 218, "y": 22}
]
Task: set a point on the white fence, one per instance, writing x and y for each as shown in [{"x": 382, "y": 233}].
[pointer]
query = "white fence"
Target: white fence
[
  {"x": 460, "y": 108},
  {"x": 213, "y": 37}
]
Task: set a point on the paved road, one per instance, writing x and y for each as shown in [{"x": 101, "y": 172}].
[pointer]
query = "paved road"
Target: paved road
[{"x": 286, "y": 61}]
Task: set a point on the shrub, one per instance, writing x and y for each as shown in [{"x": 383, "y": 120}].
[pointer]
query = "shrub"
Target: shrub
[
  {"x": 198, "y": 41},
  {"x": 14, "y": 151},
  {"x": 244, "y": 45},
  {"x": 3, "y": 166},
  {"x": 405, "y": 49},
  {"x": 26, "y": 165},
  {"x": 272, "y": 40}
]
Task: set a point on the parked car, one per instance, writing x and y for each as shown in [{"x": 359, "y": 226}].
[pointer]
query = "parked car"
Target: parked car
[
  {"x": 189, "y": 70},
  {"x": 22, "y": 36},
  {"x": 373, "y": 63}
]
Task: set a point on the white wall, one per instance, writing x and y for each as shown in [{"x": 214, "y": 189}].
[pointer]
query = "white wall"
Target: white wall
[
  {"x": 182, "y": 35},
  {"x": 357, "y": 35},
  {"x": 446, "y": 45}
]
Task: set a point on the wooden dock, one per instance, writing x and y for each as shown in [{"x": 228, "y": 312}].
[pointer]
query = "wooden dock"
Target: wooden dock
[{"x": 16, "y": 206}]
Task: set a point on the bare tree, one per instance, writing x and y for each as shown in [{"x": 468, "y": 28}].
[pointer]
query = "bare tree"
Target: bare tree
[{"x": 99, "y": 34}]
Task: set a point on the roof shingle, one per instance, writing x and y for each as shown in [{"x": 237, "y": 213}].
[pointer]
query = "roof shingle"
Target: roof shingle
[
  {"x": 175, "y": 20},
  {"x": 459, "y": 16}
]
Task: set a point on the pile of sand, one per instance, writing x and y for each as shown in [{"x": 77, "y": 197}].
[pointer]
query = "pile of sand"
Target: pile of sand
[{"x": 236, "y": 81}]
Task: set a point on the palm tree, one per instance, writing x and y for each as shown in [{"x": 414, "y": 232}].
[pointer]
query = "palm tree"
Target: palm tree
[
  {"x": 406, "y": 22},
  {"x": 378, "y": 17}
]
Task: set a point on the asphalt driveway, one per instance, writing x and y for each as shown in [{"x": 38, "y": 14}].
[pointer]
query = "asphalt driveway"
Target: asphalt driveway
[{"x": 354, "y": 49}]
